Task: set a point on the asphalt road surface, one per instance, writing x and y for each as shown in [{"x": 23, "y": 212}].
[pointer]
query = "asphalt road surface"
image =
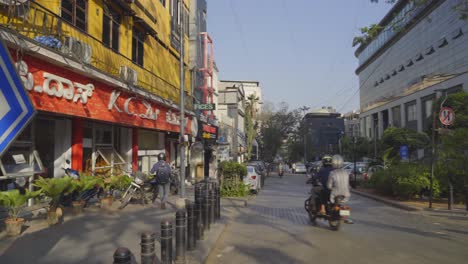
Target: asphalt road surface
[{"x": 274, "y": 228}]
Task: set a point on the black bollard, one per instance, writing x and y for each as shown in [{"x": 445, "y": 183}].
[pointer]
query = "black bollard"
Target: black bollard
[
  {"x": 166, "y": 242},
  {"x": 199, "y": 235},
  {"x": 191, "y": 241},
  {"x": 218, "y": 190},
  {"x": 148, "y": 253},
  {"x": 122, "y": 255},
  {"x": 206, "y": 208},
  {"x": 181, "y": 242},
  {"x": 216, "y": 198},
  {"x": 212, "y": 204}
]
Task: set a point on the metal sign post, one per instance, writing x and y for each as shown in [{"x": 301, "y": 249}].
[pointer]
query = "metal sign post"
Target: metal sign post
[{"x": 16, "y": 109}]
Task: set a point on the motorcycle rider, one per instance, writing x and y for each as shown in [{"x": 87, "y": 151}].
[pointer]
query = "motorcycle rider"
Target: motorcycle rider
[
  {"x": 338, "y": 181},
  {"x": 323, "y": 176},
  {"x": 163, "y": 174}
]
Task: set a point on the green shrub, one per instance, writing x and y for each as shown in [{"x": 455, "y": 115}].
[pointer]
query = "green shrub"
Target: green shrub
[
  {"x": 231, "y": 175},
  {"x": 382, "y": 181},
  {"x": 404, "y": 180}
]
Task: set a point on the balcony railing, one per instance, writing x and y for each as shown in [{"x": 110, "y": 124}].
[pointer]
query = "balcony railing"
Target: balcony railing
[{"x": 32, "y": 20}]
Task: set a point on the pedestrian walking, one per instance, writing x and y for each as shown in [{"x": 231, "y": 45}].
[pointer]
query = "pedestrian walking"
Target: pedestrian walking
[{"x": 162, "y": 172}]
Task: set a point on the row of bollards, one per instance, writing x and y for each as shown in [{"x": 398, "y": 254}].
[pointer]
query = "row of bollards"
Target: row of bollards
[{"x": 190, "y": 226}]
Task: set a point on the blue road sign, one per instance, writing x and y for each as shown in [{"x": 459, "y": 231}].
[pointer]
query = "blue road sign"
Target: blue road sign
[
  {"x": 16, "y": 109},
  {"x": 404, "y": 152}
]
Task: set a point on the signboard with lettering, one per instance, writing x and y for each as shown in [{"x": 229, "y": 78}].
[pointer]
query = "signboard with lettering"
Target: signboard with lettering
[
  {"x": 58, "y": 90},
  {"x": 205, "y": 107}
]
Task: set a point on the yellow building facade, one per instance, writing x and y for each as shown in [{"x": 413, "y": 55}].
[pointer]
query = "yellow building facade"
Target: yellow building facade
[{"x": 133, "y": 33}]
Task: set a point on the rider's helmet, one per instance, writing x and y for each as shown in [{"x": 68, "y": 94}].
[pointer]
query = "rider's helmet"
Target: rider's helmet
[
  {"x": 161, "y": 156},
  {"x": 337, "y": 161},
  {"x": 327, "y": 161}
]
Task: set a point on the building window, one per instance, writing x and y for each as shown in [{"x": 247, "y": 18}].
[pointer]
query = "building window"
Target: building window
[
  {"x": 74, "y": 12},
  {"x": 138, "y": 40},
  {"x": 426, "y": 105},
  {"x": 396, "y": 114},
  {"x": 110, "y": 29},
  {"x": 411, "y": 112}
]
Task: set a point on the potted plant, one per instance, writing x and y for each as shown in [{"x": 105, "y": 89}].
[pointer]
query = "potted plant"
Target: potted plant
[
  {"x": 79, "y": 186},
  {"x": 110, "y": 184},
  {"x": 55, "y": 189},
  {"x": 14, "y": 200}
]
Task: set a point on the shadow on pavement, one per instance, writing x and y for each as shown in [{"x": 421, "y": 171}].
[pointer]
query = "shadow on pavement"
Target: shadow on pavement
[
  {"x": 403, "y": 229},
  {"x": 266, "y": 255},
  {"x": 91, "y": 238}
]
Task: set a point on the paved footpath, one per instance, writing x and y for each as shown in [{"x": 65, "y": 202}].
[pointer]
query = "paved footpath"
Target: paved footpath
[
  {"x": 93, "y": 237},
  {"x": 274, "y": 228}
]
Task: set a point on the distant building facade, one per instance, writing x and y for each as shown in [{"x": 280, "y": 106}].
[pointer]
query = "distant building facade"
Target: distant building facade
[
  {"x": 231, "y": 110},
  {"x": 352, "y": 124},
  {"x": 324, "y": 127}
]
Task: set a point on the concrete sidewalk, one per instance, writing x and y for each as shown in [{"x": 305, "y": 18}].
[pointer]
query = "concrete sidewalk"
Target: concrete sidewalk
[
  {"x": 93, "y": 236},
  {"x": 412, "y": 206}
]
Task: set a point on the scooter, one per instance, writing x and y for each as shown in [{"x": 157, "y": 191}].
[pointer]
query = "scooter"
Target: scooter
[
  {"x": 280, "y": 170},
  {"x": 336, "y": 212}
]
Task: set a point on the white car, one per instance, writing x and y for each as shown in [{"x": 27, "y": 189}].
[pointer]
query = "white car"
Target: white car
[
  {"x": 252, "y": 179},
  {"x": 299, "y": 168}
]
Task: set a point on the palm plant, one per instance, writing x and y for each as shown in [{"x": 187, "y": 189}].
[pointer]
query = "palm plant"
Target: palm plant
[
  {"x": 85, "y": 182},
  {"x": 54, "y": 188},
  {"x": 14, "y": 200}
]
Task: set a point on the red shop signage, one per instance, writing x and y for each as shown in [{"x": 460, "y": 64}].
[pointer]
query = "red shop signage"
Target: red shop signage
[
  {"x": 209, "y": 129},
  {"x": 58, "y": 90}
]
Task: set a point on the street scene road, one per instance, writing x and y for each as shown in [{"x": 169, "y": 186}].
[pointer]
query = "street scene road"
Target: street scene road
[{"x": 274, "y": 228}]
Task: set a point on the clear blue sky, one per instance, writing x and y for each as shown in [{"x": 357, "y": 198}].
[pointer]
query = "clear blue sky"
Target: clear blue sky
[{"x": 299, "y": 50}]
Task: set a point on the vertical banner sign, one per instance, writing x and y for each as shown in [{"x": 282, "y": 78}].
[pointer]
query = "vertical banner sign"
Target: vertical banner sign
[
  {"x": 404, "y": 153},
  {"x": 16, "y": 109}
]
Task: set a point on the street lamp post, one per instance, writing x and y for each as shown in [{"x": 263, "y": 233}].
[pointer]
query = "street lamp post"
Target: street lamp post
[{"x": 182, "y": 104}]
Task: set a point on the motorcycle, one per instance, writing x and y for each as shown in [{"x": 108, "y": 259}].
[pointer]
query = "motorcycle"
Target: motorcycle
[
  {"x": 280, "y": 170},
  {"x": 336, "y": 212},
  {"x": 142, "y": 189},
  {"x": 175, "y": 181}
]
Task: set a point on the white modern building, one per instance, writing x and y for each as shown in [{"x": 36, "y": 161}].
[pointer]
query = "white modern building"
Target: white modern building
[
  {"x": 231, "y": 110},
  {"x": 401, "y": 72},
  {"x": 352, "y": 124}
]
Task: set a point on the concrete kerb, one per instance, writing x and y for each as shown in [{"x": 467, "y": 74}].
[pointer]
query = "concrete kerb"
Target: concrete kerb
[
  {"x": 387, "y": 201},
  {"x": 205, "y": 247}
]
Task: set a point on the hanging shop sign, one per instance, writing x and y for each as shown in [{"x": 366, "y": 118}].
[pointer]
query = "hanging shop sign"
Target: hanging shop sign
[
  {"x": 59, "y": 90},
  {"x": 209, "y": 132},
  {"x": 205, "y": 107}
]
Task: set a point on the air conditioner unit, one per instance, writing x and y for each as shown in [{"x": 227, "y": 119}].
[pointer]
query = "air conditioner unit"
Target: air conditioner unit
[
  {"x": 129, "y": 75},
  {"x": 77, "y": 49}
]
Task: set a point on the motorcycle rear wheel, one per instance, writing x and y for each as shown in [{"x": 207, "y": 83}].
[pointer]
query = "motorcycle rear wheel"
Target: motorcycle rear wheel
[
  {"x": 126, "y": 199},
  {"x": 334, "y": 224}
]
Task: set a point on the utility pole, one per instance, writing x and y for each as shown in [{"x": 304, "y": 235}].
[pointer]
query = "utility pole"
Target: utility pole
[
  {"x": 375, "y": 138},
  {"x": 182, "y": 102},
  {"x": 304, "y": 109},
  {"x": 354, "y": 161}
]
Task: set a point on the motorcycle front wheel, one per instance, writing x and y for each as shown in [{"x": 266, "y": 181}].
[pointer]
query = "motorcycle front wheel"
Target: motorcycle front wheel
[{"x": 311, "y": 211}]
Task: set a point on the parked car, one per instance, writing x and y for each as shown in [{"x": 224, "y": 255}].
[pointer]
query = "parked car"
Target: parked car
[
  {"x": 252, "y": 179},
  {"x": 261, "y": 170},
  {"x": 373, "y": 169},
  {"x": 299, "y": 168},
  {"x": 360, "y": 174}
]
